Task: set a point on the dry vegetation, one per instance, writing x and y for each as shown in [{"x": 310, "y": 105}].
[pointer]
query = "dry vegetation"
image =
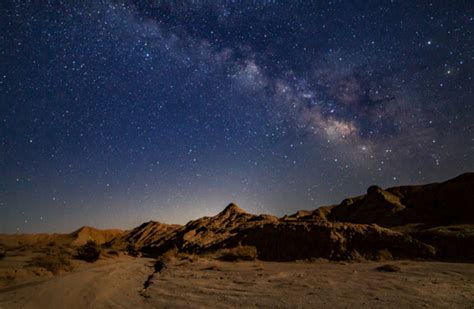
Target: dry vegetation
[
  {"x": 239, "y": 253},
  {"x": 22, "y": 262},
  {"x": 132, "y": 250},
  {"x": 90, "y": 252},
  {"x": 53, "y": 261}
]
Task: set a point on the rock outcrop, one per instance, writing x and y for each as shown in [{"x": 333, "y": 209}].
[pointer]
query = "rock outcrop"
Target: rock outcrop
[
  {"x": 449, "y": 202},
  {"x": 208, "y": 232},
  {"x": 152, "y": 232},
  {"x": 287, "y": 239},
  {"x": 86, "y": 233}
]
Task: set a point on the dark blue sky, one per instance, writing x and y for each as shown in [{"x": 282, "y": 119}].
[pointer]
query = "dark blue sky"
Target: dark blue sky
[{"x": 114, "y": 113}]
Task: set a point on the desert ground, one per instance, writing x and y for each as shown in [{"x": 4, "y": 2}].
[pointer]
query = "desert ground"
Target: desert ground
[{"x": 127, "y": 282}]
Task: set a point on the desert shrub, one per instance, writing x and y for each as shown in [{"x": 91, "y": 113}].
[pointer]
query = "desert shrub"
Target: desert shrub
[
  {"x": 239, "y": 253},
  {"x": 53, "y": 262},
  {"x": 158, "y": 266},
  {"x": 383, "y": 255},
  {"x": 175, "y": 254},
  {"x": 90, "y": 252},
  {"x": 170, "y": 255},
  {"x": 2, "y": 254},
  {"x": 107, "y": 245},
  {"x": 132, "y": 250}
]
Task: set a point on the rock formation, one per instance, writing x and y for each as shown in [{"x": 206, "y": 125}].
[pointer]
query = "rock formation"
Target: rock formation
[
  {"x": 86, "y": 233},
  {"x": 434, "y": 221},
  {"x": 152, "y": 232}
]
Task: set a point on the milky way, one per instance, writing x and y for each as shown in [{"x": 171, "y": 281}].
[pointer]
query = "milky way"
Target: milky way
[{"x": 114, "y": 113}]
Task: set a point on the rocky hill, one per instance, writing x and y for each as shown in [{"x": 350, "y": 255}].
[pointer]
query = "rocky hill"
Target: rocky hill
[
  {"x": 86, "y": 233},
  {"x": 207, "y": 233},
  {"x": 433, "y": 221},
  {"x": 152, "y": 232},
  {"x": 284, "y": 240},
  {"x": 429, "y": 221},
  {"x": 445, "y": 203}
]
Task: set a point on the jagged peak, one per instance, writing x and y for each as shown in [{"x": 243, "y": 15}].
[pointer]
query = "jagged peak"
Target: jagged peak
[
  {"x": 232, "y": 209},
  {"x": 374, "y": 190},
  {"x": 151, "y": 222},
  {"x": 84, "y": 228}
]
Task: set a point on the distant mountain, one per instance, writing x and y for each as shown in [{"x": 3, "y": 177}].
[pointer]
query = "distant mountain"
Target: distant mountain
[
  {"x": 86, "y": 233},
  {"x": 76, "y": 238},
  {"x": 433, "y": 221}
]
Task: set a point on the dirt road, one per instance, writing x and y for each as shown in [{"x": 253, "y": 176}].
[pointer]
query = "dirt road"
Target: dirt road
[{"x": 115, "y": 284}]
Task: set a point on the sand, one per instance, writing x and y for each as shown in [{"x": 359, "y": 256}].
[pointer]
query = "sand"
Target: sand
[
  {"x": 113, "y": 283},
  {"x": 203, "y": 282}
]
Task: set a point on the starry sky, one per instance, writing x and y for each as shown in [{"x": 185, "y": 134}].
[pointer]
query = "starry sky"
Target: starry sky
[{"x": 115, "y": 112}]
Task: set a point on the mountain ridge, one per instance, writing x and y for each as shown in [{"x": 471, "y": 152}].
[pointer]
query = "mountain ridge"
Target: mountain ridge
[
  {"x": 434, "y": 221},
  {"x": 397, "y": 222}
]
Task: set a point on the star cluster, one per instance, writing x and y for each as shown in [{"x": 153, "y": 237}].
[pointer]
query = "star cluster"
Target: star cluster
[{"x": 116, "y": 112}]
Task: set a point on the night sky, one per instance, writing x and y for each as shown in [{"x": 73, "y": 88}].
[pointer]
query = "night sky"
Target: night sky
[{"x": 114, "y": 113}]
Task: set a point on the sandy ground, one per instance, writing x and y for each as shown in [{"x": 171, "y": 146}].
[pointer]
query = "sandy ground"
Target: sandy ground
[
  {"x": 119, "y": 283},
  {"x": 114, "y": 283},
  {"x": 318, "y": 284}
]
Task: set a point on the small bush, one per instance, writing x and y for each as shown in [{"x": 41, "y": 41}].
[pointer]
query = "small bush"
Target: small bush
[
  {"x": 90, "y": 252},
  {"x": 132, "y": 250},
  {"x": 51, "y": 243},
  {"x": 240, "y": 253},
  {"x": 170, "y": 255},
  {"x": 2, "y": 254},
  {"x": 383, "y": 255},
  {"x": 53, "y": 262},
  {"x": 159, "y": 266}
]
